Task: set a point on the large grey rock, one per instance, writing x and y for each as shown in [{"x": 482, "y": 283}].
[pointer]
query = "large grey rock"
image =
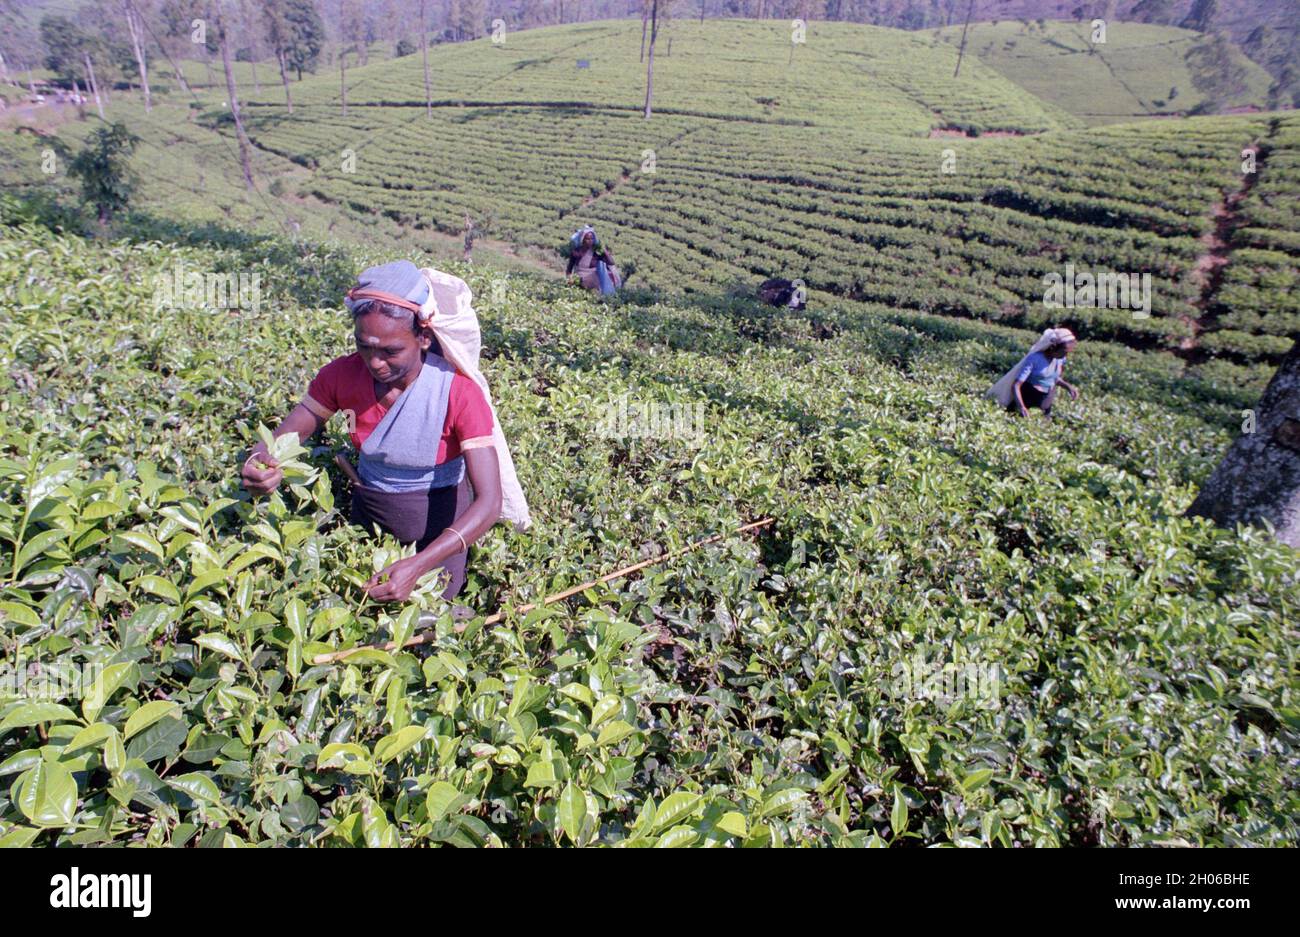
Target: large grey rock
[{"x": 1259, "y": 478}]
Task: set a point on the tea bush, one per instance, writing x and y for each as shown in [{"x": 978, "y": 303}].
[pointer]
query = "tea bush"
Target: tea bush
[{"x": 1137, "y": 670}]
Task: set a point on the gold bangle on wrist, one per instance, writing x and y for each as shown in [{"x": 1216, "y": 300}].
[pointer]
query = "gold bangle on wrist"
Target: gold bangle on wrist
[{"x": 463, "y": 545}]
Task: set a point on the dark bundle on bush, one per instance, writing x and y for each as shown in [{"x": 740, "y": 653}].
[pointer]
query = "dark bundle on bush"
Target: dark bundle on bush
[{"x": 781, "y": 292}]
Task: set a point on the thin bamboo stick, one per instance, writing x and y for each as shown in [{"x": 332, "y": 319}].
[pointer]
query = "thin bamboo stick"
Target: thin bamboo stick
[{"x": 494, "y": 618}]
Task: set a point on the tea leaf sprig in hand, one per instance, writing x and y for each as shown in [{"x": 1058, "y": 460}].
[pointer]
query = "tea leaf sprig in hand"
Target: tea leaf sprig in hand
[{"x": 285, "y": 450}]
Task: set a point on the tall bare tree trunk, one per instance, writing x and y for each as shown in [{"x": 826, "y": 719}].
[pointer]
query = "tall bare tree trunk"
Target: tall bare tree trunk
[
  {"x": 136, "y": 28},
  {"x": 176, "y": 69},
  {"x": 1259, "y": 477},
  {"x": 961, "y": 50},
  {"x": 249, "y": 23},
  {"x": 645, "y": 16},
  {"x": 424, "y": 48},
  {"x": 94, "y": 85},
  {"x": 180, "y": 75},
  {"x": 650, "y": 61},
  {"x": 244, "y": 146},
  {"x": 359, "y": 44},
  {"x": 343, "y": 77},
  {"x": 284, "y": 80}
]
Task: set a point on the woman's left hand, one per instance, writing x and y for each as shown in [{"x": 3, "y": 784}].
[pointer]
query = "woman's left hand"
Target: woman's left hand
[
  {"x": 1074, "y": 392},
  {"x": 402, "y": 578}
]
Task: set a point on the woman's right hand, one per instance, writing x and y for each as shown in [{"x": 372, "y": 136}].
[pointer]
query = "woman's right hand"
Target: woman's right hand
[{"x": 261, "y": 481}]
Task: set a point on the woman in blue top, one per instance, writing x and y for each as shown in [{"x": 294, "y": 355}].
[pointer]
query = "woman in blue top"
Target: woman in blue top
[
  {"x": 1033, "y": 381},
  {"x": 1040, "y": 374}
]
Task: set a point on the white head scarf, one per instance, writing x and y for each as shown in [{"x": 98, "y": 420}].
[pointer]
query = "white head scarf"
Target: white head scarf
[
  {"x": 1052, "y": 337},
  {"x": 450, "y": 316}
]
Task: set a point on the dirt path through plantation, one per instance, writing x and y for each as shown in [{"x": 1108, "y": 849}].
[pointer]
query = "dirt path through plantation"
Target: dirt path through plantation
[{"x": 1216, "y": 250}]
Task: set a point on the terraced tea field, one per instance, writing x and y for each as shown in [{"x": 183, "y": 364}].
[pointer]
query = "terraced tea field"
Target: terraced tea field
[
  {"x": 844, "y": 192},
  {"x": 815, "y": 166},
  {"x": 189, "y": 187}
]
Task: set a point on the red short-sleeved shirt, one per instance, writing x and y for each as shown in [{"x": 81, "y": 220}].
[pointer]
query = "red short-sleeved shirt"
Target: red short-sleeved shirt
[{"x": 346, "y": 384}]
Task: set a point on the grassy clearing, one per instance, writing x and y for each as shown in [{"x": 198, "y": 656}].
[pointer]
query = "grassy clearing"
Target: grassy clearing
[{"x": 1140, "y": 70}]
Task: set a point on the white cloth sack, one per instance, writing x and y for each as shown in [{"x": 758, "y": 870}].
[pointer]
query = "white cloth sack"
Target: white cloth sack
[
  {"x": 453, "y": 321},
  {"x": 1004, "y": 391}
]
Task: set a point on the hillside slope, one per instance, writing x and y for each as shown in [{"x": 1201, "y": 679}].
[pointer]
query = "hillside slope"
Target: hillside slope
[
  {"x": 1139, "y": 70},
  {"x": 1239, "y": 19},
  {"x": 188, "y": 185},
  {"x": 841, "y": 74}
]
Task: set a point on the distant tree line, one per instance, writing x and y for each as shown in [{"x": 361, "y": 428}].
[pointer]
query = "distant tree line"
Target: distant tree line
[{"x": 118, "y": 38}]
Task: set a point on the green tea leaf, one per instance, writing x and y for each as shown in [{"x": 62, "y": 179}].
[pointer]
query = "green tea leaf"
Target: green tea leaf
[
  {"x": 197, "y": 786},
  {"x": 219, "y": 643},
  {"x": 781, "y": 802},
  {"x": 579, "y": 692},
  {"x": 147, "y": 715},
  {"x": 614, "y": 732},
  {"x": 398, "y": 743},
  {"x": 160, "y": 741},
  {"x": 573, "y": 812},
  {"x": 109, "y": 681},
  {"x": 441, "y": 800},
  {"x": 674, "y": 808},
  {"x": 157, "y": 585},
  {"x": 20, "y": 614},
  {"x": 47, "y": 794},
  {"x": 30, "y": 714},
  {"x": 605, "y": 708},
  {"x": 678, "y": 837},
  {"x": 898, "y": 815},
  {"x": 300, "y": 814},
  {"x": 95, "y": 735},
  {"x": 20, "y": 837},
  {"x": 733, "y": 824}
]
